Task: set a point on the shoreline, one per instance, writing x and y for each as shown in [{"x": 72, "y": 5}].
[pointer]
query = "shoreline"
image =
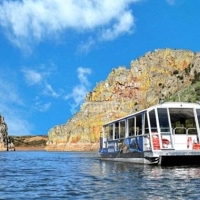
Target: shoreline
[
  {"x": 76, "y": 147},
  {"x": 30, "y": 149}
]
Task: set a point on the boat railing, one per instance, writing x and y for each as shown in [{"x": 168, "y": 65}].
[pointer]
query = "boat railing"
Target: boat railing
[
  {"x": 184, "y": 138},
  {"x": 154, "y": 141},
  {"x": 140, "y": 142},
  {"x": 191, "y": 131},
  {"x": 170, "y": 138},
  {"x": 162, "y": 140},
  {"x": 127, "y": 144},
  {"x": 179, "y": 130},
  {"x": 184, "y": 130},
  {"x": 137, "y": 142}
]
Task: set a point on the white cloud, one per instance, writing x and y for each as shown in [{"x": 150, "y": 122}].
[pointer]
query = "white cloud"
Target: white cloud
[
  {"x": 9, "y": 92},
  {"x": 124, "y": 25},
  {"x": 30, "y": 21},
  {"x": 171, "y": 2},
  {"x": 11, "y": 107},
  {"x": 82, "y": 75},
  {"x": 14, "y": 107},
  {"x": 79, "y": 91},
  {"x": 48, "y": 90},
  {"x": 32, "y": 77},
  {"x": 41, "y": 106},
  {"x": 85, "y": 47},
  {"x": 15, "y": 120}
]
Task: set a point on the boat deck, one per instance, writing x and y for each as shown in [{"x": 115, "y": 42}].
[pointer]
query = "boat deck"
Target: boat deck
[{"x": 173, "y": 152}]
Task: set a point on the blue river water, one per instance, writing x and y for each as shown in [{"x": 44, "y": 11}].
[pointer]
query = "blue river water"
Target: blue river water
[{"x": 80, "y": 175}]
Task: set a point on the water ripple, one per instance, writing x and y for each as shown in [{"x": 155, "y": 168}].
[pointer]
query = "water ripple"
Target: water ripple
[{"x": 70, "y": 175}]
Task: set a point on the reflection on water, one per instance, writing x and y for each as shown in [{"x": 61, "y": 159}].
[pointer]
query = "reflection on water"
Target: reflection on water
[
  {"x": 155, "y": 182},
  {"x": 67, "y": 175},
  {"x": 151, "y": 171}
]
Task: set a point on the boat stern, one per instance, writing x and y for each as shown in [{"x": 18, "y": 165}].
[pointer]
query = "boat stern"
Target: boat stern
[{"x": 174, "y": 157}]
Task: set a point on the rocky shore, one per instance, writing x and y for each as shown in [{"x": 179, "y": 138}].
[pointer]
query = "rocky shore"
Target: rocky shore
[
  {"x": 38, "y": 143},
  {"x": 29, "y": 143},
  {"x": 73, "y": 147},
  {"x": 6, "y": 143}
]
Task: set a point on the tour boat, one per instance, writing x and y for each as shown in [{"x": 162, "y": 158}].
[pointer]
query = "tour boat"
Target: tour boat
[{"x": 164, "y": 134}]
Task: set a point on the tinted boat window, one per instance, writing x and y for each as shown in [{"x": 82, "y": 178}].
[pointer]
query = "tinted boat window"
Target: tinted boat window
[
  {"x": 106, "y": 131},
  {"x": 163, "y": 119},
  {"x": 198, "y": 116},
  {"x": 139, "y": 124},
  {"x": 153, "y": 124},
  {"x": 131, "y": 126},
  {"x": 116, "y": 130},
  {"x": 122, "y": 129},
  {"x": 110, "y": 132},
  {"x": 146, "y": 124}
]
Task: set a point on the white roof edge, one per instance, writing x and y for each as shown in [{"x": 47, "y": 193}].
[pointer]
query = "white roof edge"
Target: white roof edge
[
  {"x": 161, "y": 105},
  {"x": 178, "y": 105}
]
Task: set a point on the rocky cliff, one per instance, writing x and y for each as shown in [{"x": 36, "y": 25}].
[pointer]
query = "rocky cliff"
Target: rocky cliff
[
  {"x": 27, "y": 143},
  {"x": 6, "y": 143},
  {"x": 162, "y": 74}
]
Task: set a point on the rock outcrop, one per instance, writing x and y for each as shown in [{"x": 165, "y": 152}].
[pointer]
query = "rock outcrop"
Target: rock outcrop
[
  {"x": 157, "y": 75},
  {"x": 30, "y": 142},
  {"x": 6, "y": 143}
]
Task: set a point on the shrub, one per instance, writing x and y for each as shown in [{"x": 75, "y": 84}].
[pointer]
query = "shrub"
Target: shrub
[{"x": 175, "y": 72}]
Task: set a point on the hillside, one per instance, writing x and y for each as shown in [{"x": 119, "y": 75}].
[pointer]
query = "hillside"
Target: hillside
[
  {"x": 29, "y": 142},
  {"x": 165, "y": 74}
]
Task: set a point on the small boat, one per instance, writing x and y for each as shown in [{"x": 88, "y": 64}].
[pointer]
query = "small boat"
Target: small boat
[{"x": 164, "y": 134}]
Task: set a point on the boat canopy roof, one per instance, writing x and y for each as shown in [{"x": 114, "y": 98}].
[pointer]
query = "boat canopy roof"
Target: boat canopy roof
[{"x": 160, "y": 105}]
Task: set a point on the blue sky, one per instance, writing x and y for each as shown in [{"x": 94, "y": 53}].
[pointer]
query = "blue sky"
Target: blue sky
[{"x": 53, "y": 52}]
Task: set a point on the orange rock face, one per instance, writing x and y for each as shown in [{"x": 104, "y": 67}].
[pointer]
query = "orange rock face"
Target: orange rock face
[
  {"x": 73, "y": 147},
  {"x": 154, "y": 76}
]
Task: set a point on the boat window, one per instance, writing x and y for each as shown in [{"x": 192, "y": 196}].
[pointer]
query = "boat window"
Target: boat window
[
  {"x": 106, "y": 131},
  {"x": 139, "y": 124},
  {"x": 146, "y": 124},
  {"x": 153, "y": 124},
  {"x": 110, "y": 136},
  {"x": 182, "y": 120},
  {"x": 116, "y": 130},
  {"x": 190, "y": 125},
  {"x": 198, "y": 116},
  {"x": 131, "y": 126},
  {"x": 122, "y": 129},
  {"x": 163, "y": 120}
]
